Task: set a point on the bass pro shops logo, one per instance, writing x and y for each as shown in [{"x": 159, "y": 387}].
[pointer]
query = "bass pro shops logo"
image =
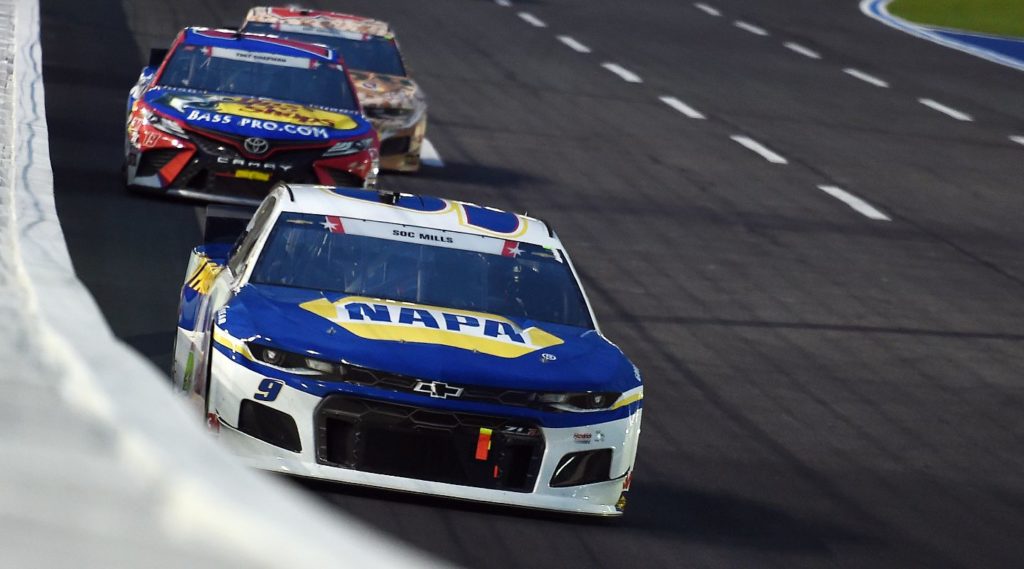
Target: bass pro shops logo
[{"x": 376, "y": 319}]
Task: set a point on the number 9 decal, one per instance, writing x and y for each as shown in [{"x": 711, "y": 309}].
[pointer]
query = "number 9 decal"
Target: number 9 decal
[{"x": 268, "y": 390}]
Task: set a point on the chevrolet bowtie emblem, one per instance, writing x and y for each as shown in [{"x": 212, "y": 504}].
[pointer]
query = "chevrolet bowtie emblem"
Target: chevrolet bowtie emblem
[{"x": 437, "y": 389}]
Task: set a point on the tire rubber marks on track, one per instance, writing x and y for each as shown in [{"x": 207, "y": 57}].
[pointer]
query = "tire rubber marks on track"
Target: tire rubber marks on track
[
  {"x": 623, "y": 73},
  {"x": 707, "y": 9},
  {"x": 575, "y": 45},
  {"x": 948, "y": 111},
  {"x": 429, "y": 155},
  {"x": 804, "y": 51},
  {"x": 758, "y": 31},
  {"x": 682, "y": 107},
  {"x": 757, "y": 147},
  {"x": 866, "y": 77},
  {"x": 532, "y": 20},
  {"x": 860, "y": 206}
]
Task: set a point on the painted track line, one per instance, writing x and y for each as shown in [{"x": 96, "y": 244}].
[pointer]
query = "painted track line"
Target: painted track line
[
  {"x": 764, "y": 151},
  {"x": 1017, "y": 139},
  {"x": 865, "y": 77},
  {"x": 707, "y": 9},
  {"x": 862, "y": 207},
  {"x": 532, "y": 20},
  {"x": 625, "y": 74},
  {"x": 503, "y": 3},
  {"x": 948, "y": 111},
  {"x": 572, "y": 43},
  {"x": 804, "y": 51},
  {"x": 758, "y": 31},
  {"x": 429, "y": 155},
  {"x": 682, "y": 107}
]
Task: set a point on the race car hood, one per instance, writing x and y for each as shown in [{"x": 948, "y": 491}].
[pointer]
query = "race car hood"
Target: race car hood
[
  {"x": 380, "y": 93},
  {"x": 256, "y": 117},
  {"x": 431, "y": 343}
]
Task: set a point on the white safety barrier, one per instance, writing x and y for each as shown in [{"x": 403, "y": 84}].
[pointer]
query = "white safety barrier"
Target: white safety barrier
[{"x": 100, "y": 465}]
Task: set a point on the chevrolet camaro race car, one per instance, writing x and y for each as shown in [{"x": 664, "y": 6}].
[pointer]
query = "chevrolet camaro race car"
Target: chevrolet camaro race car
[
  {"x": 223, "y": 116},
  {"x": 409, "y": 343},
  {"x": 394, "y": 103}
]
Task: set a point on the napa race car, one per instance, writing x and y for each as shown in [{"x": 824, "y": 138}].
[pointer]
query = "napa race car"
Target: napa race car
[
  {"x": 223, "y": 116},
  {"x": 394, "y": 103},
  {"x": 410, "y": 343}
]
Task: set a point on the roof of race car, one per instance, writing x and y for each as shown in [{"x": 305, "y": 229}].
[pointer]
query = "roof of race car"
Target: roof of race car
[
  {"x": 420, "y": 211},
  {"x": 258, "y": 42},
  {"x": 321, "y": 22}
]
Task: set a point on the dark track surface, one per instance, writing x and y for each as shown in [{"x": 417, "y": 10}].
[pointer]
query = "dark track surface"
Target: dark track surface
[{"x": 822, "y": 389}]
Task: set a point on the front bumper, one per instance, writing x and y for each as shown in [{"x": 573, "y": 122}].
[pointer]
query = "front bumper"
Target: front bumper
[
  {"x": 209, "y": 168},
  {"x": 400, "y": 149},
  {"x": 522, "y": 476}
]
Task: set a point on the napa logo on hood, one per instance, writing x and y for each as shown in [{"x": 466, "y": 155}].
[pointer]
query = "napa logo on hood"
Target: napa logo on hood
[
  {"x": 376, "y": 319},
  {"x": 266, "y": 116}
]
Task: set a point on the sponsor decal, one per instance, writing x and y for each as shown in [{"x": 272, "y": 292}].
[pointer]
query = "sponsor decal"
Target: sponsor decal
[
  {"x": 259, "y": 114},
  {"x": 388, "y": 320},
  {"x": 545, "y": 358},
  {"x": 202, "y": 277},
  {"x": 583, "y": 438}
]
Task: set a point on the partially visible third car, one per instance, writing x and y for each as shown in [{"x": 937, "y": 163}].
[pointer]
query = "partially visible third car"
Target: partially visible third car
[{"x": 392, "y": 101}]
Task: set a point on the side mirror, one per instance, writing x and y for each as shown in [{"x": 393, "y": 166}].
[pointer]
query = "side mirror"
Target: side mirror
[{"x": 157, "y": 56}]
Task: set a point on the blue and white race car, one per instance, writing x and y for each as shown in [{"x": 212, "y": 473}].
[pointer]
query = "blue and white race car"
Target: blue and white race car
[{"x": 407, "y": 342}]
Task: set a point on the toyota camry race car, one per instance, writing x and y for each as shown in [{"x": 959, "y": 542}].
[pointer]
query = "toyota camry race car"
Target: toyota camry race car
[
  {"x": 223, "y": 116},
  {"x": 409, "y": 343},
  {"x": 394, "y": 103}
]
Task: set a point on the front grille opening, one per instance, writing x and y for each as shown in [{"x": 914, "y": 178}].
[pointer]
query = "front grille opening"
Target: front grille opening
[
  {"x": 269, "y": 425},
  {"x": 427, "y": 444},
  {"x": 153, "y": 161},
  {"x": 587, "y": 467}
]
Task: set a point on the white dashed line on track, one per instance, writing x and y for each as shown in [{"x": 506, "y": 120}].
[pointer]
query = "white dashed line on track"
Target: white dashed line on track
[
  {"x": 948, "y": 111},
  {"x": 532, "y": 20},
  {"x": 575, "y": 45},
  {"x": 707, "y": 9},
  {"x": 859, "y": 205},
  {"x": 750, "y": 28},
  {"x": 804, "y": 51},
  {"x": 1017, "y": 139},
  {"x": 625, "y": 74},
  {"x": 866, "y": 77},
  {"x": 503, "y": 3},
  {"x": 682, "y": 107},
  {"x": 429, "y": 155},
  {"x": 759, "y": 148}
]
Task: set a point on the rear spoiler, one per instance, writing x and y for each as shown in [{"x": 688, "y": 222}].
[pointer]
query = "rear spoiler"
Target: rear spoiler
[{"x": 224, "y": 223}]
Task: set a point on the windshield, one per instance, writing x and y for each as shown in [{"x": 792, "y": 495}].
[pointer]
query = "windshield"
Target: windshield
[
  {"x": 425, "y": 266},
  {"x": 374, "y": 53},
  {"x": 241, "y": 72}
]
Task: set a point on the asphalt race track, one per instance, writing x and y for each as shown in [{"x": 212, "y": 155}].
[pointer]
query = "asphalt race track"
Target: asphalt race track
[{"x": 823, "y": 389}]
